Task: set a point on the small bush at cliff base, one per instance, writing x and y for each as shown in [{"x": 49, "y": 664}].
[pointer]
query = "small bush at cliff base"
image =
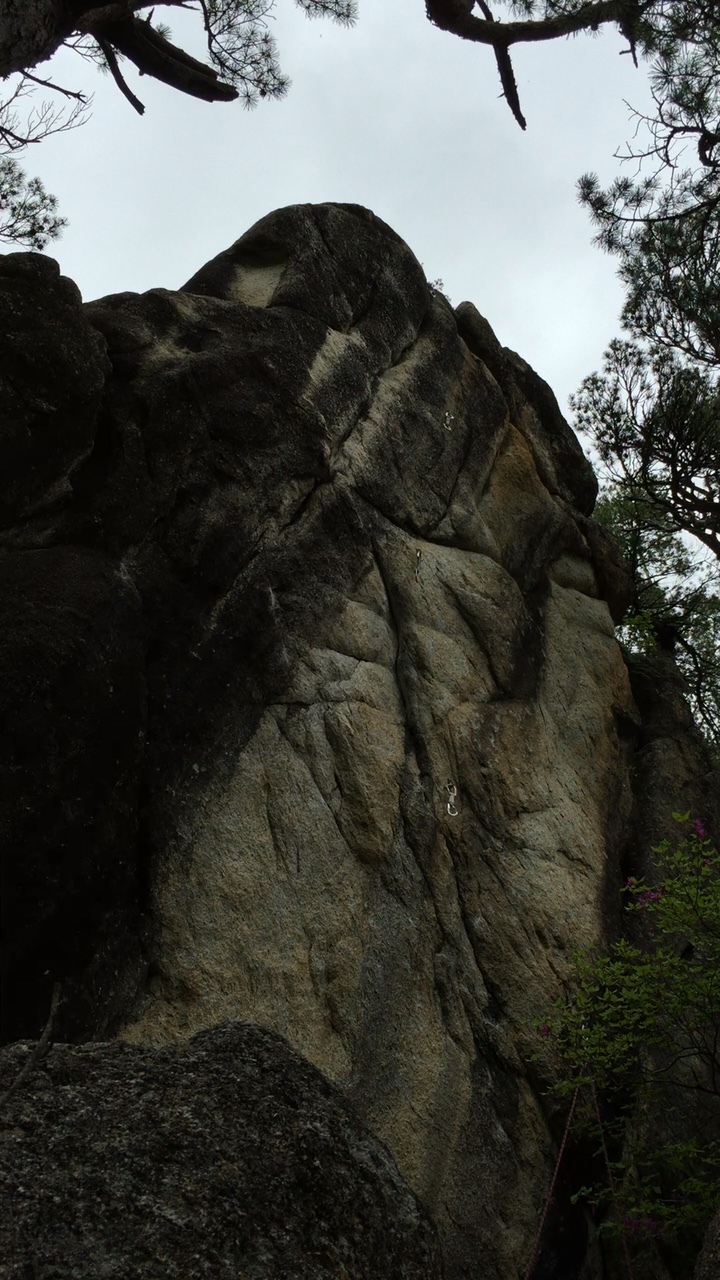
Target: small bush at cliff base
[{"x": 640, "y": 1035}]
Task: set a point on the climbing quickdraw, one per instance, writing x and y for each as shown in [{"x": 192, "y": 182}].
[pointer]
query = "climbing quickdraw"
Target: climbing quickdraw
[{"x": 452, "y": 797}]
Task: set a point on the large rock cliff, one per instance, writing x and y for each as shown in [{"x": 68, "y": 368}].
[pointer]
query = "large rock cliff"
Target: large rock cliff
[{"x": 318, "y": 721}]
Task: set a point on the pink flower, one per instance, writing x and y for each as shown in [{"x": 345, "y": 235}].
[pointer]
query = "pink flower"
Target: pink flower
[
  {"x": 545, "y": 1030},
  {"x": 651, "y": 895},
  {"x": 699, "y": 829}
]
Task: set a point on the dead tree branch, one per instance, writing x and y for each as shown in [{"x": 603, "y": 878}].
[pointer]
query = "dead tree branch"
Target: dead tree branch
[
  {"x": 117, "y": 75},
  {"x": 507, "y": 75}
]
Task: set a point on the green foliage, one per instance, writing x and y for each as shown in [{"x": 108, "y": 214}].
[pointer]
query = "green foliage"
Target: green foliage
[
  {"x": 655, "y": 422},
  {"x": 682, "y": 42},
  {"x": 671, "y": 271},
  {"x": 28, "y": 213},
  {"x": 653, "y": 411},
  {"x": 641, "y": 1028},
  {"x": 654, "y": 417},
  {"x": 698, "y": 657},
  {"x": 439, "y": 286},
  {"x": 677, "y": 604}
]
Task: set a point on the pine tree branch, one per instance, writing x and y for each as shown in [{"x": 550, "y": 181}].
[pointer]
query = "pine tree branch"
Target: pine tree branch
[
  {"x": 155, "y": 56},
  {"x": 456, "y": 17}
]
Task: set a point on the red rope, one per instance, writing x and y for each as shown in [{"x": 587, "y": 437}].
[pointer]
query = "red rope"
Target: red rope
[
  {"x": 611, "y": 1181},
  {"x": 551, "y": 1192}
]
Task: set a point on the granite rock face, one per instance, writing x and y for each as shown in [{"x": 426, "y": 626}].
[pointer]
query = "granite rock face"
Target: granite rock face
[
  {"x": 52, "y": 370},
  {"x": 320, "y": 722},
  {"x": 708, "y": 1264},
  {"x": 225, "y": 1157}
]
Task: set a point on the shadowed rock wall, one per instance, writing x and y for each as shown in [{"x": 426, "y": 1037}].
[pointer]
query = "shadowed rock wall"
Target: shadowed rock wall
[{"x": 323, "y": 723}]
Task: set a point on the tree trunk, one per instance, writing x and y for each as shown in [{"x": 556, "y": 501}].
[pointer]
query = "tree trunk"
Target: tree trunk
[{"x": 32, "y": 30}]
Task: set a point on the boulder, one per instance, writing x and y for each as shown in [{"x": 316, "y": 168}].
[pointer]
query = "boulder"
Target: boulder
[{"x": 225, "y": 1157}]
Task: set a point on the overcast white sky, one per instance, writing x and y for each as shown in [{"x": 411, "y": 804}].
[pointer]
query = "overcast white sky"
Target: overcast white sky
[{"x": 392, "y": 114}]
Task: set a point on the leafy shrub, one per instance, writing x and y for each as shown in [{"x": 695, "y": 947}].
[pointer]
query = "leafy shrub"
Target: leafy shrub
[{"x": 639, "y": 1038}]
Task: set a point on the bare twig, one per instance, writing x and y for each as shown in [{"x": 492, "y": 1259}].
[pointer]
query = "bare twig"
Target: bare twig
[
  {"x": 41, "y": 122},
  {"x": 40, "y": 1048},
  {"x": 48, "y": 84}
]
